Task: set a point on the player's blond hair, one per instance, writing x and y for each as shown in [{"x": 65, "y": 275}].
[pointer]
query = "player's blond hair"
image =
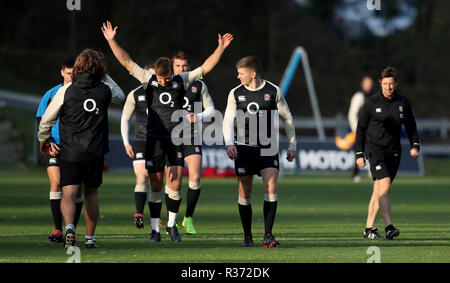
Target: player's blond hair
[{"x": 250, "y": 62}]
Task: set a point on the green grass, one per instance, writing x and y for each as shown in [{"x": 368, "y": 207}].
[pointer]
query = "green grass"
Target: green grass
[{"x": 319, "y": 219}]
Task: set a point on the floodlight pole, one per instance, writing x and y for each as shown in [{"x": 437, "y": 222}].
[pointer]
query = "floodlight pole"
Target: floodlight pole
[{"x": 299, "y": 54}]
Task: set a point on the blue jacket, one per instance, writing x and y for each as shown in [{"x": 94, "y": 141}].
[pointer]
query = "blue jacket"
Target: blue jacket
[{"x": 45, "y": 101}]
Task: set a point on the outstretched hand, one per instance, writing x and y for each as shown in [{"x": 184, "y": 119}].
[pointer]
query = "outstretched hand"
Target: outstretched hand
[
  {"x": 108, "y": 31},
  {"x": 225, "y": 40}
]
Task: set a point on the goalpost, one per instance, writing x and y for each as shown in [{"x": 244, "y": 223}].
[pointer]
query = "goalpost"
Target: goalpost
[{"x": 298, "y": 55}]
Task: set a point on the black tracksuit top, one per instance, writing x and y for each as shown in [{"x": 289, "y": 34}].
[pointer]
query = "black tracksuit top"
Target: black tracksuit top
[{"x": 380, "y": 124}]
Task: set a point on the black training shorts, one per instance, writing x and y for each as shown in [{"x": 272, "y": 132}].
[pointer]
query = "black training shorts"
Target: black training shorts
[
  {"x": 160, "y": 152},
  {"x": 384, "y": 164},
  {"x": 192, "y": 149},
  {"x": 88, "y": 172},
  {"x": 251, "y": 162},
  {"x": 139, "y": 150}
]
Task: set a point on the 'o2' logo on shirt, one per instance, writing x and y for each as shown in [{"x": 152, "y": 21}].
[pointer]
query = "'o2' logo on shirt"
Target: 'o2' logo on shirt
[
  {"x": 166, "y": 98},
  {"x": 90, "y": 105},
  {"x": 253, "y": 110},
  {"x": 186, "y": 104}
]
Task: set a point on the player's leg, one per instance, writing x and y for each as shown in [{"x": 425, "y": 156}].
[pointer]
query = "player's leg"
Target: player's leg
[
  {"x": 78, "y": 205},
  {"x": 92, "y": 179},
  {"x": 155, "y": 204},
  {"x": 173, "y": 199},
  {"x": 270, "y": 178},
  {"x": 393, "y": 163},
  {"x": 54, "y": 177},
  {"x": 371, "y": 232},
  {"x": 68, "y": 212},
  {"x": 140, "y": 191},
  {"x": 91, "y": 213},
  {"x": 155, "y": 162},
  {"x": 373, "y": 206},
  {"x": 245, "y": 207},
  {"x": 194, "y": 164}
]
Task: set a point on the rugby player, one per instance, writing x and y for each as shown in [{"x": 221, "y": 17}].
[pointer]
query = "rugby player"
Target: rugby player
[
  {"x": 82, "y": 107},
  {"x": 356, "y": 104},
  {"x": 165, "y": 94},
  {"x": 252, "y": 101},
  {"x": 53, "y": 162},
  {"x": 198, "y": 93},
  {"x": 137, "y": 105},
  {"x": 378, "y": 139}
]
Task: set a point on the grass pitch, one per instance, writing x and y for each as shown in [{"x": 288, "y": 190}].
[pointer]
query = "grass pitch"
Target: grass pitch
[{"x": 319, "y": 219}]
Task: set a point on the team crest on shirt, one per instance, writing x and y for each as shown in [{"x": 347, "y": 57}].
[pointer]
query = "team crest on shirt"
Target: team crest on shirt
[
  {"x": 179, "y": 155},
  {"x": 194, "y": 89},
  {"x": 141, "y": 98},
  {"x": 197, "y": 149},
  {"x": 400, "y": 108},
  {"x": 174, "y": 84},
  {"x": 275, "y": 162},
  {"x": 266, "y": 97},
  {"x": 241, "y": 98}
]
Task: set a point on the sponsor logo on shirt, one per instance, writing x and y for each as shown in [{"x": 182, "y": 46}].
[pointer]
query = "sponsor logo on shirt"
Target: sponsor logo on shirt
[
  {"x": 141, "y": 98},
  {"x": 154, "y": 83},
  {"x": 140, "y": 155},
  {"x": 378, "y": 167},
  {"x": 52, "y": 160},
  {"x": 378, "y": 110},
  {"x": 241, "y": 170},
  {"x": 241, "y": 98}
]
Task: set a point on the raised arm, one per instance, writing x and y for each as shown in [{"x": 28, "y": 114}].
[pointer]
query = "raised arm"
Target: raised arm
[
  {"x": 121, "y": 55},
  {"x": 223, "y": 42}
]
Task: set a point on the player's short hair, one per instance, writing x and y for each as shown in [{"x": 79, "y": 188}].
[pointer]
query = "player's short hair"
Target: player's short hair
[
  {"x": 181, "y": 55},
  {"x": 89, "y": 61},
  {"x": 250, "y": 62},
  {"x": 67, "y": 63},
  {"x": 389, "y": 72},
  {"x": 163, "y": 67},
  {"x": 149, "y": 66}
]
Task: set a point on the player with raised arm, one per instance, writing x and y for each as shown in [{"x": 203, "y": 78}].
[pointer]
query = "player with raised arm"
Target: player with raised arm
[
  {"x": 137, "y": 105},
  {"x": 165, "y": 94},
  {"x": 253, "y": 104},
  {"x": 197, "y": 98},
  {"x": 378, "y": 138},
  {"x": 82, "y": 107}
]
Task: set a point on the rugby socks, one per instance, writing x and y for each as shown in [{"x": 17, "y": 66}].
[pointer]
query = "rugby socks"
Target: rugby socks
[
  {"x": 245, "y": 212},
  {"x": 78, "y": 209},
  {"x": 270, "y": 209},
  {"x": 155, "y": 205},
  {"x": 140, "y": 196},
  {"x": 192, "y": 196},
  {"x": 55, "y": 206},
  {"x": 173, "y": 201}
]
